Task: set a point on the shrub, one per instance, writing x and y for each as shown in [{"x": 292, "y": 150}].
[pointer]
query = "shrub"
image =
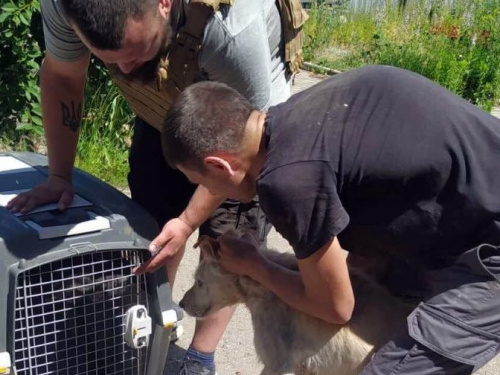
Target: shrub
[
  {"x": 456, "y": 44},
  {"x": 20, "y": 59}
]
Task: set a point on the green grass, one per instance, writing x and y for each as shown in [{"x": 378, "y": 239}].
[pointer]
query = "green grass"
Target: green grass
[
  {"x": 457, "y": 47},
  {"x": 105, "y": 135},
  {"x": 13, "y": 140}
]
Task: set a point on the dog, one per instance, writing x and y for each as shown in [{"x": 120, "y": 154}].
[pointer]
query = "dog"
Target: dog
[{"x": 289, "y": 341}]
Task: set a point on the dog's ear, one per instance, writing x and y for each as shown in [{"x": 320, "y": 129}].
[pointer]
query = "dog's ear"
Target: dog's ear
[{"x": 209, "y": 247}]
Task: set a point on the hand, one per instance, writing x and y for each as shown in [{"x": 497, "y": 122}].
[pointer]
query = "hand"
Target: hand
[
  {"x": 54, "y": 189},
  {"x": 239, "y": 254},
  {"x": 165, "y": 246}
]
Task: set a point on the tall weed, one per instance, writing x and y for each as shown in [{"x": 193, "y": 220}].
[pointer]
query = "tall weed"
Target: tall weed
[
  {"x": 454, "y": 43},
  {"x": 20, "y": 57},
  {"x": 105, "y": 135},
  {"x": 105, "y": 132}
]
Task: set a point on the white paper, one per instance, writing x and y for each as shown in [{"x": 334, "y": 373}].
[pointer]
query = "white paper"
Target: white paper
[{"x": 6, "y": 196}]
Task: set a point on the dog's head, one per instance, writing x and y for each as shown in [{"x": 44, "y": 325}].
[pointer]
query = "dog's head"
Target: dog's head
[{"x": 213, "y": 288}]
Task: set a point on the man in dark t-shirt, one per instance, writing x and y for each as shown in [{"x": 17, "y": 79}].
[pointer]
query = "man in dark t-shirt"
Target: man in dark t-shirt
[{"x": 383, "y": 162}]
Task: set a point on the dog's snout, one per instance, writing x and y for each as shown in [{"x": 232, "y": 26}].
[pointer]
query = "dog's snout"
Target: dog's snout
[{"x": 182, "y": 304}]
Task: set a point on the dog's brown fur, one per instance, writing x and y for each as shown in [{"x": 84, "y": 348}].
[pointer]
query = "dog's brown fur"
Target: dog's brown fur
[{"x": 288, "y": 341}]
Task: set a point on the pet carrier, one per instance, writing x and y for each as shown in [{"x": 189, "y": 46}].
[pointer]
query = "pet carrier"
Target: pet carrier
[{"x": 70, "y": 303}]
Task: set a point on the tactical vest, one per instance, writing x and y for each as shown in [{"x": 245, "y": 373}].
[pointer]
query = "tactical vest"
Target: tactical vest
[{"x": 179, "y": 67}]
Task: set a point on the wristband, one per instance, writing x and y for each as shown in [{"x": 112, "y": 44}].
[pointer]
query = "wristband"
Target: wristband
[{"x": 59, "y": 175}]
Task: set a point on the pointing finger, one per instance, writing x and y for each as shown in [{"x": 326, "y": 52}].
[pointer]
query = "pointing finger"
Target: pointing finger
[{"x": 159, "y": 242}]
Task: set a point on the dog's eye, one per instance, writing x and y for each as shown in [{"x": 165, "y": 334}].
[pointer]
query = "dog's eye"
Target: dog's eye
[{"x": 199, "y": 283}]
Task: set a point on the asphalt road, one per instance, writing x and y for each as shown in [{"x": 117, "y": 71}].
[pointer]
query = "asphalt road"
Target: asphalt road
[{"x": 236, "y": 355}]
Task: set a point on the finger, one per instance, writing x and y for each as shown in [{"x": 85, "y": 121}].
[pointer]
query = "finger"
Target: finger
[
  {"x": 14, "y": 209},
  {"x": 233, "y": 244},
  {"x": 229, "y": 239},
  {"x": 12, "y": 203},
  {"x": 15, "y": 204},
  {"x": 229, "y": 234},
  {"x": 141, "y": 269},
  {"x": 154, "y": 248},
  {"x": 226, "y": 263},
  {"x": 224, "y": 245},
  {"x": 226, "y": 250},
  {"x": 65, "y": 200},
  {"x": 30, "y": 204},
  {"x": 159, "y": 242},
  {"x": 152, "y": 264}
]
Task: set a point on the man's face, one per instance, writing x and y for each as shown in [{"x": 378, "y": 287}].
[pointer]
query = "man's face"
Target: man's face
[
  {"x": 145, "y": 40},
  {"x": 238, "y": 187}
]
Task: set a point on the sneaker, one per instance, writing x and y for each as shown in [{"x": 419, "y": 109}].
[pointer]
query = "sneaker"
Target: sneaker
[{"x": 192, "y": 367}]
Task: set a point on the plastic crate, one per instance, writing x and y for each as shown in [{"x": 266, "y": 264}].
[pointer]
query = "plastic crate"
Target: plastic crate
[{"x": 71, "y": 303}]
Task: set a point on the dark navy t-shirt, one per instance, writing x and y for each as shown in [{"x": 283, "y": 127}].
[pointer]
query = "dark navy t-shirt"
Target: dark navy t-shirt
[{"x": 386, "y": 160}]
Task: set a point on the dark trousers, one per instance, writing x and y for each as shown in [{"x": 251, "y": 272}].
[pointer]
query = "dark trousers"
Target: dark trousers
[
  {"x": 456, "y": 330},
  {"x": 165, "y": 192}
]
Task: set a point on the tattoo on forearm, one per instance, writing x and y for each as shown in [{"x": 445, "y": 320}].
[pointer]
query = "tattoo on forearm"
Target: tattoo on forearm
[{"x": 71, "y": 117}]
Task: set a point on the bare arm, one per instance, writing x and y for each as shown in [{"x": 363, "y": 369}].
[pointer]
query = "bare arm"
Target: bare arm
[
  {"x": 175, "y": 232},
  {"x": 322, "y": 288},
  {"x": 62, "y": 85},
  {"x": 200, "y": 207}
]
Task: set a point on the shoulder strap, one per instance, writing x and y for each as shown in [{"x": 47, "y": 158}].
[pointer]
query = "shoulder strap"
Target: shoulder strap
[
  {"x": 293, "y": 17},
  {"x": 186, "y": 46}
]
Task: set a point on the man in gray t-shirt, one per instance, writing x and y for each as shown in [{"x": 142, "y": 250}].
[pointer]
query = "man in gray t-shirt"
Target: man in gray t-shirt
[{"x": 242, "y": 47}]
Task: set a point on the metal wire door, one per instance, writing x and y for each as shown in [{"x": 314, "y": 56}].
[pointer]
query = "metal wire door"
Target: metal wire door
[{"x": 69, "y": 316}]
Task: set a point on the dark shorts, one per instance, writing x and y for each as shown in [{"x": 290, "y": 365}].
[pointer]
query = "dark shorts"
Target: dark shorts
[
  {"x": 456, "y": 330},
  {"x": 165, "y": 192}
]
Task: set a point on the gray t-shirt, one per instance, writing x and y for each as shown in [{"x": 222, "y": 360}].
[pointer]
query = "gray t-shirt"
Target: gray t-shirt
[{"x": 242, "y": 47}]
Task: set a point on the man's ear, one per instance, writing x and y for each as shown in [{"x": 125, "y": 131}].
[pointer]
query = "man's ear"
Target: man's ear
[
  {"x": 209, "y": 247},
  {"x": 165, "y": 6},
  {"x": 219, "y": 164}
]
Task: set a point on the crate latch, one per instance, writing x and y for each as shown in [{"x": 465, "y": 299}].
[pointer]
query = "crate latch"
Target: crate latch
[{"x": 137, "y": 327}]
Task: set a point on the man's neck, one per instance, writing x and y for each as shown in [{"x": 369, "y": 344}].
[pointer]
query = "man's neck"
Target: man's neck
[{"x": 256, "y": 150}]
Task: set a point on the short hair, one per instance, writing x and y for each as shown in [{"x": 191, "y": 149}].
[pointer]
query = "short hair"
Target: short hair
[
  {"x": 206, "y": 117},
  {"x": 103, "y": 22}
]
